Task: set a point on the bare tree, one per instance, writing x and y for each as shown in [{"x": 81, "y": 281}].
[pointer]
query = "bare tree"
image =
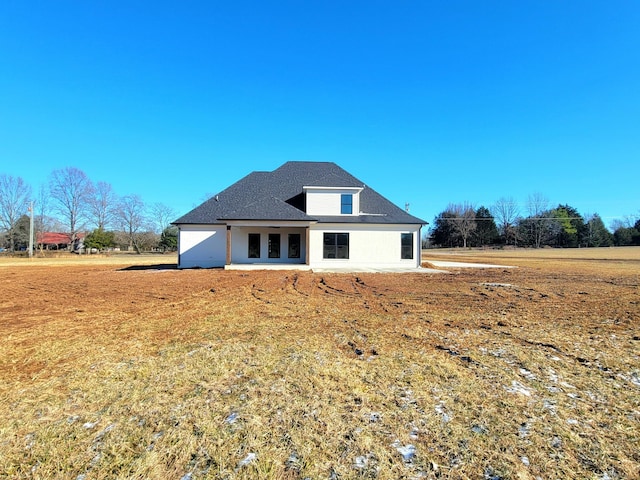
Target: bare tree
[
  {"x": 132, "y": 219},
  {"x": 464, "y": 221},
  {"x": 147, "y": 240},
  {"x": 628, "y": 221},
  {"x": 103, "y": 205},
  {"x": 14, "y": 195},
  {"x": 620, "y": 223},
  {"x": 71, "y": 191},
  {"x": 537, "y": 206},
  {"x": 506, "y": 212},
  {"x": 162, "y": 215}
]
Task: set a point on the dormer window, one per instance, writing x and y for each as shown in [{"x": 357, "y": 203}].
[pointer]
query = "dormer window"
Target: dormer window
[
  {"x": 332, "y": 201},
  {"x": 346, "y": 204}
]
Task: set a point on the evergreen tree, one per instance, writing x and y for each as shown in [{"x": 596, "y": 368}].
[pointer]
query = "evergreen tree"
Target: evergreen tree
[
  {"x": 443, "y": 232},
  {"x": 486, "y": 232},
  {"x": 100, "y": 239},
  {"x": 572, "y": 226},
  {"x": 625, "y": 236},
  {"x": 169, "y": 238},
  {"x": 596, "y": 234},
  {"x": 19, "y": 235}
]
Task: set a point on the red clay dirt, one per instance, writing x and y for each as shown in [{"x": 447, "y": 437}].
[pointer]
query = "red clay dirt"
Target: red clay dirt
[{"x": 156, "y": 306}]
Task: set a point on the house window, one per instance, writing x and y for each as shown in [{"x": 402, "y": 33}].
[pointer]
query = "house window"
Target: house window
[
  {"x": 254, "y": 245},
  {"x": 274, "y": 245},
  {"x": 294, "y": 245},
  {"x": 336, "y": 245},
  {"x": 406, "y": 246},
  {"x": 346, "y": 204}
]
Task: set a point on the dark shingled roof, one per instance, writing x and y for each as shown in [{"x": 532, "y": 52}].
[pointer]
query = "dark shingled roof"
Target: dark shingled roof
[{"x": 277, "y": 195}]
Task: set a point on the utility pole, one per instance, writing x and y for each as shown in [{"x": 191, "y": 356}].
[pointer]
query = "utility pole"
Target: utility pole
[{"x": 31, "y": 230}]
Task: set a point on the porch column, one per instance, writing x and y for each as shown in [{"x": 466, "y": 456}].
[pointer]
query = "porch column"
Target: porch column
[
  {"x": 228, "y": 260},
  {"x": 307, "y": 247},
  {"x": 419, "y": 246}
]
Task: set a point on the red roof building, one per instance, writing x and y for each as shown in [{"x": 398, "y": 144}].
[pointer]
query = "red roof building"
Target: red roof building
[{"x": 56, "y": 240}]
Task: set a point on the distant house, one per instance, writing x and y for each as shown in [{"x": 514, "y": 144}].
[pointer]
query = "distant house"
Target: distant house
[
  {"x": 303, "y": 215},
  {"x": 59, "y": 241}
]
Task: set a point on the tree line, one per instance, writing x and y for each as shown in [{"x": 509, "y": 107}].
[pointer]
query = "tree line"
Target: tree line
[
  {"x": 503, "y": 223},
  {"x": 71, "y": 203}
]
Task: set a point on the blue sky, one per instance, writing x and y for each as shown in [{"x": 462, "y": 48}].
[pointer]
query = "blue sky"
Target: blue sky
[{"x": 427, "y": 102}]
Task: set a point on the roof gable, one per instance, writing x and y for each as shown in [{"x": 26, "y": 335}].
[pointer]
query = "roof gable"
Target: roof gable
[{"x": 276, "y": 195}]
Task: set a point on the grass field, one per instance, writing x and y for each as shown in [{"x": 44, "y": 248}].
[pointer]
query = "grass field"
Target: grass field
[{"x": 116, "y": 368}]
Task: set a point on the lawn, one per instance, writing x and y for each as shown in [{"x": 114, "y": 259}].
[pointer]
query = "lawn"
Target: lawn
[{"x": 115, "y": 368}]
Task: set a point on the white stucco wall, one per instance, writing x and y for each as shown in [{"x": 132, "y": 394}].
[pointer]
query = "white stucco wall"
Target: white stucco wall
[
  {"x": 369, "y": 246},
  {"x": 326, "y": 201},
  {"x": 202, "y": 246},
  {"x": 240, "y": 244}
]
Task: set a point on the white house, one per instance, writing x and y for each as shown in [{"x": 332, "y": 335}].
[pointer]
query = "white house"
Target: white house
[{"x": 303, "y": 215}]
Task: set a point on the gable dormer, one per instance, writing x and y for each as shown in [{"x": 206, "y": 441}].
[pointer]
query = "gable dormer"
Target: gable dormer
[{"x": 332, "y": 201}]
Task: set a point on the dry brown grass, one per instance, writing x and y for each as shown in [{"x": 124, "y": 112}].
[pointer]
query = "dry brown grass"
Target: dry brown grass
[
  {"x": 61, "y": 259},
  {"x": 614, "y": 260},
  {"x": 108, "y": 372}
]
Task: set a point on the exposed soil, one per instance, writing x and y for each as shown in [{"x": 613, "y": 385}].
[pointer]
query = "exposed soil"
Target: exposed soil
[
  {"x": 81, "y": 303},
  {"x": 153, "y": 372}
]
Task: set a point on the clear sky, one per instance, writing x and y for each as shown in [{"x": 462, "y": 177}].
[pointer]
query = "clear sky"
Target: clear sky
[{"x": 427, "y": 102}]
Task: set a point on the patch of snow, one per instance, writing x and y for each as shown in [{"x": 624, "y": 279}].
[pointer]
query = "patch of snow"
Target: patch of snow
[
  {"x": 549, "y": 405},
  {"x": 408, "y": 452},
  {"x": 361, "y": 462},
  {"x": 374, "y": 417},
  {"x": 419, "y": 475},
  {"x": 441, "y": 411},
  {"x": 107, "y": 429},
  {"x": 73, "y": 418},
  {"x": 490, "y": 475},
  {"x": 293, "y": 461},
  {"x": 517, "y": 387},
  {"x": 251, "y": 457},
  {"x": 231, "y": 418},
  {"x": 527, "y": 374},
  {"x": 479, "y": 429}
]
